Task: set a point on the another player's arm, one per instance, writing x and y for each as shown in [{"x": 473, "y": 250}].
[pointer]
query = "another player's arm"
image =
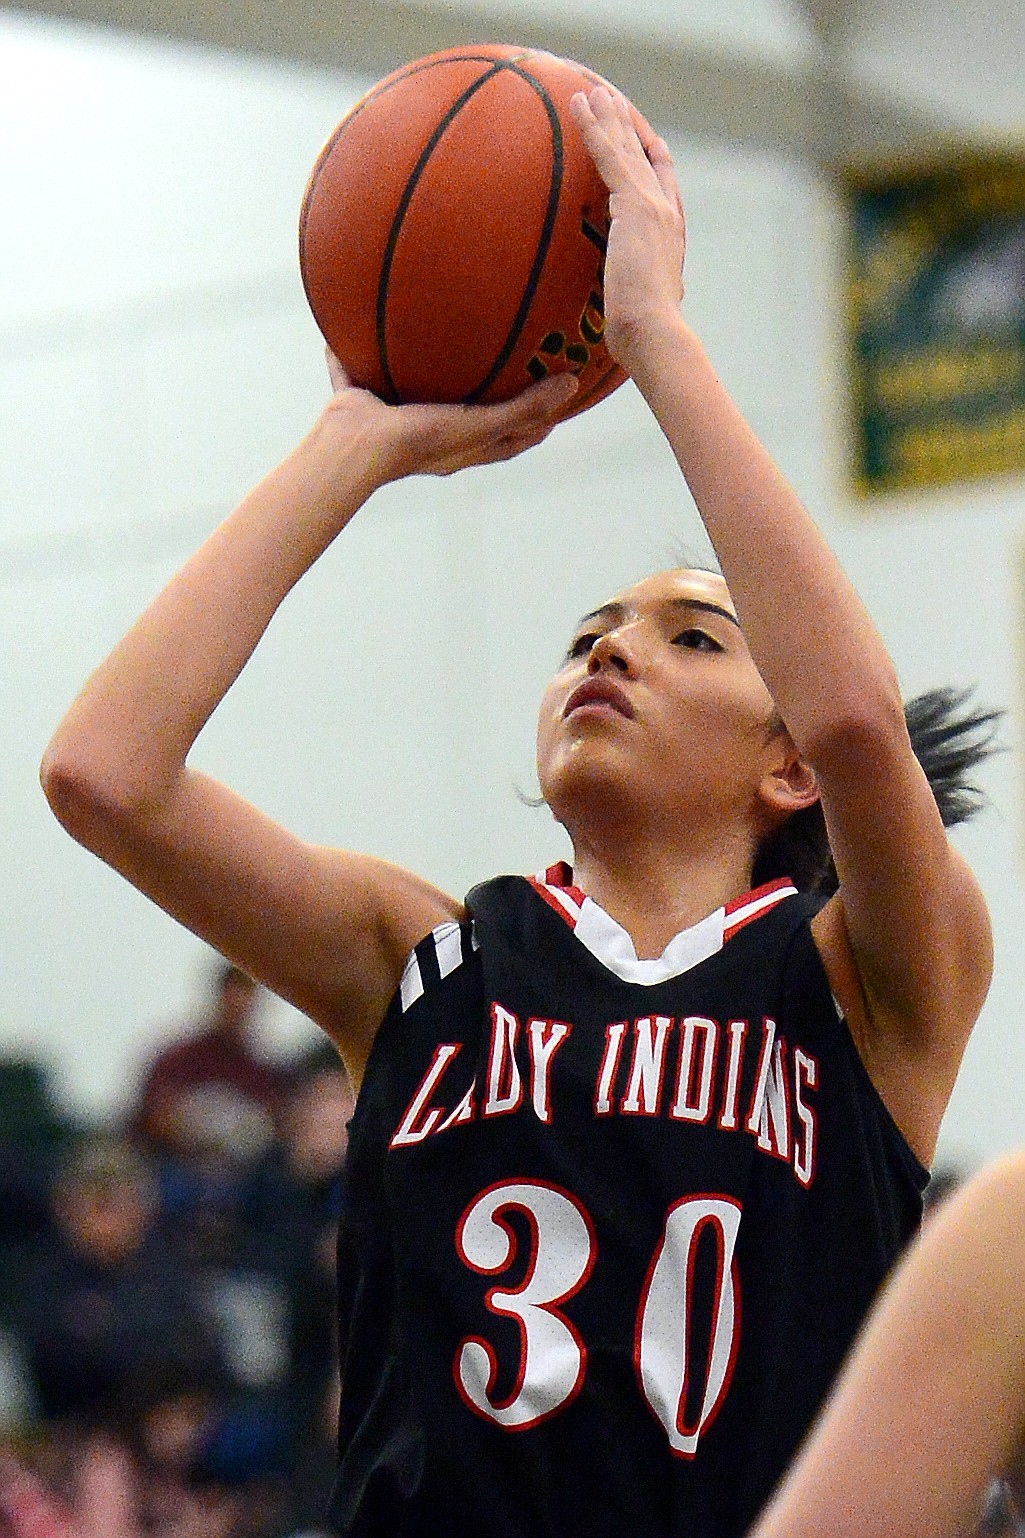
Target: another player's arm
[
  {"x": 931, "y": 1404},
  {"x": 326, "y": 929},
  {"x": 906, "y": 941}
]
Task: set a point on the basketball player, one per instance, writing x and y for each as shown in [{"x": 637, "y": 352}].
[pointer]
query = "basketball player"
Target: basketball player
[
  {"x": 932, "y": 1404},
  {"x": 635, "y": 1142}
]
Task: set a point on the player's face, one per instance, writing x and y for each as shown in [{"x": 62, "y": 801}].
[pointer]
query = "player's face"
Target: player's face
[{"x": 658, "y": 709}]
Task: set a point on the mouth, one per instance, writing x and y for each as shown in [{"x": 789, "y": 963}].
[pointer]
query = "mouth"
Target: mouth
[{"x": 601, "y": 694}]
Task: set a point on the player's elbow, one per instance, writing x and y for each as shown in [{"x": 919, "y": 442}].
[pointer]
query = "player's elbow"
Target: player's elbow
[
  {"x": 87, "y": 798},
  {"x": 72, "y": 794},
  {"x": 864, "y": 727}
]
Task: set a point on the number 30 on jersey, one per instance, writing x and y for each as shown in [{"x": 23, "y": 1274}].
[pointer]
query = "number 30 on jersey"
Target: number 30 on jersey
[{"x": 553, "y": 1357}]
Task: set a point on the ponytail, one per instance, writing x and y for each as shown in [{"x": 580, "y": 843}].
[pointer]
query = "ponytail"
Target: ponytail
[{"x": 949, "y": 740}]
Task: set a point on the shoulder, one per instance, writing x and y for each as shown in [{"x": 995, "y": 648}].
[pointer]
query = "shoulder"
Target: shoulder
[{"x": 507, "y": 909}]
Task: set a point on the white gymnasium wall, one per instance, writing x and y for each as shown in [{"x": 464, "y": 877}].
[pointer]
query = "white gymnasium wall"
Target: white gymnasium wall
[{"x": 156, "y": 357}]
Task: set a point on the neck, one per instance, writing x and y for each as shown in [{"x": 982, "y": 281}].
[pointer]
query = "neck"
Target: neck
[{"x": 654, "y": 888}]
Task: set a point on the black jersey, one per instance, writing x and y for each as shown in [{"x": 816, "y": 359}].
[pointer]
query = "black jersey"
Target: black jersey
[{"x": 611, "y": 1223}]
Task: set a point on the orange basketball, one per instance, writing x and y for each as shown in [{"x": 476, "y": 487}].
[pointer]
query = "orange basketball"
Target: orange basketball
[{"x": 453, "y": 232}]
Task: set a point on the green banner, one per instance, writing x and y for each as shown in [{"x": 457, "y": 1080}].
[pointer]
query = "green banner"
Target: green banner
[{"x": 937, "y": 318}]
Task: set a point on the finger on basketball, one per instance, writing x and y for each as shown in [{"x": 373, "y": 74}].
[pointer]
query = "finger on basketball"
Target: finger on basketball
[
  {"x": 548, "y": 395},
  {"x": 662, "y": 165},
  {"x": 580, "y": 110},
  {"x": 594, "y": 128},
  {"x": 336, "y": 373},
  {"x": 641, "y": 127},
  {"x": 518, "y": 443},
  {"x": 628, "y": 117},
  {"x": 533, "y": 410},
  {"x": 603, "y": 108}
]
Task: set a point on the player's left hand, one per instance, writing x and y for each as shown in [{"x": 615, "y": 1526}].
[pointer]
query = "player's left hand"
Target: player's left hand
[{"x": 644, "y": 260}]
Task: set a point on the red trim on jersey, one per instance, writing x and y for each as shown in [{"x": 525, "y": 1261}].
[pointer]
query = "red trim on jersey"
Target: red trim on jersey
[
  {"x": 728, "y": 1111},
  {"x": 561, "y": 874},
  {"x": 555, "y": 887},
  {"x": 605, "y": 1084},
  {"x": 751, "y": 905},
  {"x": 657, "y": 1035},
  {"x": 543, "y": 891},
  {"x": 691, "y": 1071},
  {"x": 502, "y": 1099}
]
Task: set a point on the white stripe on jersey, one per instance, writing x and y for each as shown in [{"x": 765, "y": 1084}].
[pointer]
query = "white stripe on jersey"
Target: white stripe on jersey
[
  {"x": 564, "y": 900},
  {"x": 448, "y": 947},
  {"x": 607, "y": 940},
  {"x": 749, "y": 910},
  {"x": 448, "y": 942},
  {"x": 612, "y": 945},
  {"x": 412, "y": 985}
]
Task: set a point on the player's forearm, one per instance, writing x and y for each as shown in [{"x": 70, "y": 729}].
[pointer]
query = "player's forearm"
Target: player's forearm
[
  {"x": 810, "y": 635},
  {"x": 125, "y": 739}
]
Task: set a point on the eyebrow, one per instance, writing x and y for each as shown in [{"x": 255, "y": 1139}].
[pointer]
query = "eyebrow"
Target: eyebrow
[{"x": 614, "y": 610}]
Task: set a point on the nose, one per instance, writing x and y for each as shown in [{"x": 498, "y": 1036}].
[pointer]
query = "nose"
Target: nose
[{"x": 613, "y": 650}]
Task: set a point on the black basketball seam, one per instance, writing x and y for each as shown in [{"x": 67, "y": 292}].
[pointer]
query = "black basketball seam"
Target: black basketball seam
[
  {"x": 418, "y": 66},
  {"x": 548, "y": 225},
  {"x": 401, "y": 211}
]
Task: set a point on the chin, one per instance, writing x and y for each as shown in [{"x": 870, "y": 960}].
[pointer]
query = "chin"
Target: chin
[{"x": 591, "y": 786}]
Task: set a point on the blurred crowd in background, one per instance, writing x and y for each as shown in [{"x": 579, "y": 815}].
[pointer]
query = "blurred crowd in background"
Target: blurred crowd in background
[{"x": 168, "y": 1362}]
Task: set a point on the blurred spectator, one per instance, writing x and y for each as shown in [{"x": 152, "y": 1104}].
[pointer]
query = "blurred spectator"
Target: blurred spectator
[
  {"x": 33, "y": 1131},
  {"x": 177, "y": 1423},
  {"x": 314, "y": 1466},
  {"x": 87, "y": 1485},
  {"x": 294, "y": 1204},
  {"x": 169, "y": 1364},
  {"x": 18, "y": 1405},
  {"x": 28, "y": 1508},
  {"x": 30, "y": 1118},
  {"x": 212, "y": 1086},
  {"x": 294, "y": 1191},
  {"x": 206, "y": 1113},
  {"x": 103, "y": 1297}
]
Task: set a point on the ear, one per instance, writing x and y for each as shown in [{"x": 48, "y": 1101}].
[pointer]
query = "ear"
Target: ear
[{"x": 789, "y": 785}]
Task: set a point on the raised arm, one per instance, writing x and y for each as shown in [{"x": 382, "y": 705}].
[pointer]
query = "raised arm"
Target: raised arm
[
  {"x": 906, "y": 941},
  {"x": 326, "y": 929},
  {"x": 931, "y": 1404}
]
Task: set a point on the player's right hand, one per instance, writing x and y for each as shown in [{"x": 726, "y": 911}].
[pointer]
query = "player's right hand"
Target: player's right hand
[{"x": 438, "y": 440}]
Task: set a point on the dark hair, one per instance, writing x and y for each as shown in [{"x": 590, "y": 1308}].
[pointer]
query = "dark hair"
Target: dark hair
[{"x": 949, "y": 739}]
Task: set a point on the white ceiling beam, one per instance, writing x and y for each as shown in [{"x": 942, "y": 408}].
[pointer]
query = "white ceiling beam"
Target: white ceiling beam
[{"x": 805, "y": 108}]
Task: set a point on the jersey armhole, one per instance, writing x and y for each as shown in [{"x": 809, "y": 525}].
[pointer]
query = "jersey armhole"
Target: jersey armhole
[
  {"x": 805, "y": 970},
  {"x": 432, "y": 960}
]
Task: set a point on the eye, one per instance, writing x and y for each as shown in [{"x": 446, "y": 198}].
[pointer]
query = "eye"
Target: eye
[
  {"x": 697, "y": 640},
  {"x": 581, "y": 644}
]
